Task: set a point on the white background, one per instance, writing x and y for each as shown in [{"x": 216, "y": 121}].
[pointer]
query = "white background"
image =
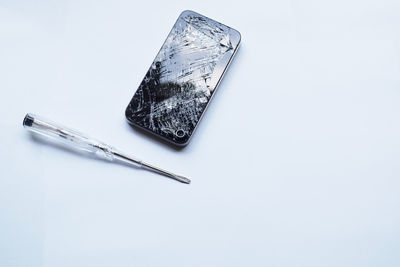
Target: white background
[{"x": 295, "y": 163}]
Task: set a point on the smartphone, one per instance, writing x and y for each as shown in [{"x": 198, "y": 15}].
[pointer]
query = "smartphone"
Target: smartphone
[{"x": 182, "y": 79}]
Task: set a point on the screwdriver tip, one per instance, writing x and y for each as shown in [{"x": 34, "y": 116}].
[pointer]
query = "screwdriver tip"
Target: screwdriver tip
[{"x": 182, "y": 179}]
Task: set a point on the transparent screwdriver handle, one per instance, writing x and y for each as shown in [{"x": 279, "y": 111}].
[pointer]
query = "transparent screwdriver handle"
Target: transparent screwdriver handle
[{"x": 68, "y": 136}]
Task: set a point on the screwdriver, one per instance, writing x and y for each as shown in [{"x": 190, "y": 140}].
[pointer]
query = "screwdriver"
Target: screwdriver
[{"x": 84, "y": 143}]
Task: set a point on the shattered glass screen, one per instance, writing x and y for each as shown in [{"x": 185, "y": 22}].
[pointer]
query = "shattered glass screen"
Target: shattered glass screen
[{"x": 179, "y": 84}]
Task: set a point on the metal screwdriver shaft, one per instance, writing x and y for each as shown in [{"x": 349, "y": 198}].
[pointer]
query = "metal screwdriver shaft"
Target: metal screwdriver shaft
[
  {"x": 81, "y": 142},
  {"x": 151, "y": 167}
]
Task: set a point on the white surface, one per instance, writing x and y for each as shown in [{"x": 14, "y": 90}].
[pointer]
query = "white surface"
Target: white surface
[{"x": 296, "y": 162}]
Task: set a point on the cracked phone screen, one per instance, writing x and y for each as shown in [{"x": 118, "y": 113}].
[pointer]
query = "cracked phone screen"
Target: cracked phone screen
[{"x": 183, "y": 77}]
